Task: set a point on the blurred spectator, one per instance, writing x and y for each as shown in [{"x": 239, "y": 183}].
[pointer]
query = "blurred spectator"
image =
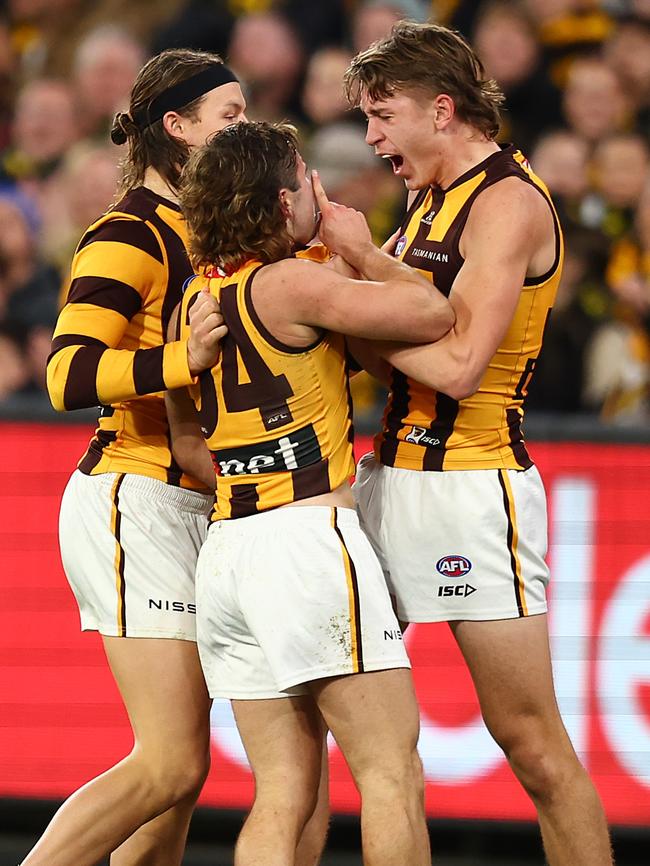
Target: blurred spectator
[
  {"x": 505, "y": 40},
  {"x": 81, "y": 192},
  {"x": 628, "y": 271},
  {"x": 617, "y": 380},
  {"x": 266, "y": 54},
  {"x": 7, "y": 84},
  {"x": 30, "y": 286},
  {"x": 45, "y": 126},
  {"x": 561, "y": 158},
  {"x": 105, "y": 66},
  {"x": 628, "y": 53},
  {"x": 580, "y": 307},
  {"x": 620, "y": 169},
  {"x": 569, "y": 29},
  {"x": 375, "y": 18},
  {"x": 202, "y": 24},
  {"x": 47, "y": 33},
  {"x": 595, "y": 103},
  {"x": 323, "y": 97},
  {"x": 13, "y": 369},
  {"x": 38, "y": 347}
]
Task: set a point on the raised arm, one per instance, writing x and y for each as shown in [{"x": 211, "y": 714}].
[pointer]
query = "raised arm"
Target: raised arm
[
  {"x": 391, "y": 301},
  {"x": 509, "y": 226}
]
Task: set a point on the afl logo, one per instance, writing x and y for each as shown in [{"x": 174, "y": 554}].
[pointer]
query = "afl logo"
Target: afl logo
[
  {"x": 400, "y": 246},
  {"x": 453, "y": 566}
]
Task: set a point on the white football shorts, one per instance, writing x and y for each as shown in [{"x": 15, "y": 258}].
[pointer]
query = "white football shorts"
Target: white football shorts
[
  {"x": 129, "y": 546},
  {"x": 289, "y": 596},
  {"x": 457, "y": 545}
]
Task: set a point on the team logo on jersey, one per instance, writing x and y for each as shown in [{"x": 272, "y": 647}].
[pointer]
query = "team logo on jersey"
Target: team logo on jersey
[
  {"x": 400, "y": 246},
  {"x": 459, "y": 590},
  {"x": 293, "y": 451},
  {"x": 453, "y": 566},
  {"x": 428, "y": 219},
  {"x": 421, "y": 436}
]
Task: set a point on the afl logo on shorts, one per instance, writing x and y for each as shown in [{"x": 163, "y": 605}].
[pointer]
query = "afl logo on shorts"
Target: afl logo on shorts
[
  {"x": 453, "y": 566},
  {"x": 400, "y": 246}
]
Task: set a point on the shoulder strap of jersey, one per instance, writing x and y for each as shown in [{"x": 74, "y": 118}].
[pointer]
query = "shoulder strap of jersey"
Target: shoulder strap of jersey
[{"x": 415, "y": 204}]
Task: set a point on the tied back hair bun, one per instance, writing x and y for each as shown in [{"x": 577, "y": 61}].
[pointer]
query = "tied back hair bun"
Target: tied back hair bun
[{"x": 123, "y": 127}]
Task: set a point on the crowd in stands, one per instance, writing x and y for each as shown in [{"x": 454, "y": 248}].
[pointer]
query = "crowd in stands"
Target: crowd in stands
[{"x": 576, "y": 74}]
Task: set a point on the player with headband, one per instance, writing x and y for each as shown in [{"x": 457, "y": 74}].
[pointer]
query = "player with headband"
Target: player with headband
[{"x": 131, "y": 521}]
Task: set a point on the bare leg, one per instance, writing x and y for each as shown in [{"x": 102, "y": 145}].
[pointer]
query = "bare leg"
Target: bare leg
[
  {"x": 374, "y": 718},
  {"x": 159, "y": 842},
  {"x": 511, "y": 667},
  {"x": 162, "y": 686},
  {"x": 283, "y": 741},
  {"x": 312, "y": 841}
]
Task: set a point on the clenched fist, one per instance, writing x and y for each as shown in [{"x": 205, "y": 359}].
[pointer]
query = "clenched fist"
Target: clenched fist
[{"x": 207, "y": 329}]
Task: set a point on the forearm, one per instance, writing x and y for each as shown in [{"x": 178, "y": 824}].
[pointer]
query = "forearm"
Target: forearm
[
  {"x": 192, "y": 455},
  {"x": 447, "y": 365},
  {"x": 188, "y": 445},
  {"x": 373, "y": 264},
  {"x": 366, "y": 354},
  {"x": 84, "y": 375}
]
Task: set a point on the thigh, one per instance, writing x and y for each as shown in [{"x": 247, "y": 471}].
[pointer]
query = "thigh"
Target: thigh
[
  {"x": 283, "y": 739},
  {"x": 460, "y": 545},
  {"x": 162, "y": 685},
  {"x": 129, "y": 546},
  {"x": 510, "y": 664},
  {"x": 373, "y": 716}
]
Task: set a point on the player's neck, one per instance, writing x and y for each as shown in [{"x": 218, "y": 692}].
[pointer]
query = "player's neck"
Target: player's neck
[
  {"x": 464, "y": 151},
  {"x": 156, "y": 183}
]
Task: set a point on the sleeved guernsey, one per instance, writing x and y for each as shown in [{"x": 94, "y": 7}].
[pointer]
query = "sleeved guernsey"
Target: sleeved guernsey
[{"x": 108, "y": 347}]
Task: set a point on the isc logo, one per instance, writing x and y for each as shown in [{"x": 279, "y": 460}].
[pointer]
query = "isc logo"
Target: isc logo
[{"x": 453, "y": 566}]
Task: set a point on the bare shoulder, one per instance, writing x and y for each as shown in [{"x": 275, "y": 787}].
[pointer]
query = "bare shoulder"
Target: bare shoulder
[
  {"x": 510, "y": 198},
  {"x": 292, "y": 275},
  {"x": 511, "y": 211}
]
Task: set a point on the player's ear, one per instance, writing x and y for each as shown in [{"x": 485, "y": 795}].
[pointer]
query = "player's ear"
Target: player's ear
[
  {"x": 174, "y": 124},
  {"x": 443, "y": 110},
  {"x": 285, "y": 203}
]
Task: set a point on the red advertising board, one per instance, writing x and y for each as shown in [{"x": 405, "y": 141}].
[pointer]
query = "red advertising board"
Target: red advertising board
[{"x": 61, "y": 720}]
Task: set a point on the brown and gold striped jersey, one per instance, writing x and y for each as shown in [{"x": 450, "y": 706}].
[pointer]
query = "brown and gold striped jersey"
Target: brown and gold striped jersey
[
  {"x": 127, "y": 277},
  {"x": 277, "y": 419},
  {"x": 425, "y": 429}
]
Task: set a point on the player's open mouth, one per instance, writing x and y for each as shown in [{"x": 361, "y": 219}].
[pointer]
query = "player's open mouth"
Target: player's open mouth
[{"x": 396, "y": 161}]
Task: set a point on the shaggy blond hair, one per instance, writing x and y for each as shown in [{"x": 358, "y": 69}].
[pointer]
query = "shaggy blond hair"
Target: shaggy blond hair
[{"x": 229, "y": 194}]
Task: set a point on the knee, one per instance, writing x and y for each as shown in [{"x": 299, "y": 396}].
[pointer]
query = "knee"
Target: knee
[
  {"x": 296, "y": 798},
  {"x": 177, "y": 775},
  {"x": 541, "y": 760},
  {"x": 401, "y": 783}
]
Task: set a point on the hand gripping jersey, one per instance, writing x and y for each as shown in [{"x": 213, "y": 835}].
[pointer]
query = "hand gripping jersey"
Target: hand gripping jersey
[
  {"x": 427, "y": 430},
  {"x": 127, "y": 277},
  {"x": 277, "y": 419}
]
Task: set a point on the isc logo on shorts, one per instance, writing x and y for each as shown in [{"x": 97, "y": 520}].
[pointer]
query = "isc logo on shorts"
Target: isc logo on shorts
[{"x": 453, "y": 566}]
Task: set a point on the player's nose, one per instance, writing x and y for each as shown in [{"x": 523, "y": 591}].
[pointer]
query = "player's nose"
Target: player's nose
[{"x": 372, "y": 133}]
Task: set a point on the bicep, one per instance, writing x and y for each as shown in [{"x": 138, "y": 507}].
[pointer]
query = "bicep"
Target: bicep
[
  {"x": 321, "y": 298},
  {"x": 497, "y": 245}
]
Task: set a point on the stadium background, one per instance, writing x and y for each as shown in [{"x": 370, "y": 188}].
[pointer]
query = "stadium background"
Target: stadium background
[{"x": 576, "y": 74}]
